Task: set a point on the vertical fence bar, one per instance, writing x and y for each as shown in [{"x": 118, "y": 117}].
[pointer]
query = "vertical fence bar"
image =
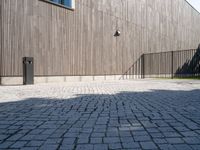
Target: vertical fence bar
[
  {"x": 165, "y": 64},
  {"x": 172, "y": 64},
  {"x": 142, "y": 66},
  {"x": 193, "y": 63}
]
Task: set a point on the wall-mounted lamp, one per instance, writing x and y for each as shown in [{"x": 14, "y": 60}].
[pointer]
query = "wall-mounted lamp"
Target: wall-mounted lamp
[{"x": 117, "y": 33}]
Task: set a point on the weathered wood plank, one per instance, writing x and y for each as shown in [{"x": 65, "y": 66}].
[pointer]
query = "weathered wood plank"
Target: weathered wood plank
[{"x": 81, "y": 42}]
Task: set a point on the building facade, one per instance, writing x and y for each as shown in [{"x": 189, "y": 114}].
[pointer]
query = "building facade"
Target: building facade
[{"x": 78, "y": 41}]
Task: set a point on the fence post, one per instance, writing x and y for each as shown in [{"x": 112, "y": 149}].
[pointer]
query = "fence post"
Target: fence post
[
  {"x": 142, "y": 66},
  {"x": 172, "y": 65}
]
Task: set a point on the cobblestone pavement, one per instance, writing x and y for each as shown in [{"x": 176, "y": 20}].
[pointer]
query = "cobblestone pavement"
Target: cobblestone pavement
[{"x": 140, "y": 114}]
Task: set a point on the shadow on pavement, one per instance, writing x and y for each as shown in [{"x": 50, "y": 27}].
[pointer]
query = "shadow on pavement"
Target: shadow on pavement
[{"x": 126, "y": 120}]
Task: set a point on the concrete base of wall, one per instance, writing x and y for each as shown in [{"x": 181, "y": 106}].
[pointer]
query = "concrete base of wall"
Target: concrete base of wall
[
  {"x": 11, "y": 80},
  {"x": 58, "y": 79},
  {"x": 174, "y": 76},
  {"x": 53, "y": 79},
  {"x": 159, "y": 76}
]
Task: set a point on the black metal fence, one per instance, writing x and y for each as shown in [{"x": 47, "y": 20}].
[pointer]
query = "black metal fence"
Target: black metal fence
[
  {"x": 183, "y": 63},
  {"x": 171, "y": 64}
]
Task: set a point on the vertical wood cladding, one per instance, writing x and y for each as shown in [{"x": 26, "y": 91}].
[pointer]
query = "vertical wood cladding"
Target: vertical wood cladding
[
  {"x": 81, "y": 42},
  {"x": 0, "y": 41}
]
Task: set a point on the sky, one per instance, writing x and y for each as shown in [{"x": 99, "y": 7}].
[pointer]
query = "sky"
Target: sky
[{"x": 195, "y": 4}]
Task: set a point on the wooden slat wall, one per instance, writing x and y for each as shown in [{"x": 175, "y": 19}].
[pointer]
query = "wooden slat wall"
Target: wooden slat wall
[
  {"x": 81, "y": 42},
  {"x": 0, "y": 40}
]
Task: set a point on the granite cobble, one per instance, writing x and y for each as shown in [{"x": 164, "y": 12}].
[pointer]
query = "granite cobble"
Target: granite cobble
[{"x": 140, "y": 114}]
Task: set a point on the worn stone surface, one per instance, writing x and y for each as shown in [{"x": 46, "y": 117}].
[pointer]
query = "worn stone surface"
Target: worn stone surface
[{"x": 140, "y": 114}]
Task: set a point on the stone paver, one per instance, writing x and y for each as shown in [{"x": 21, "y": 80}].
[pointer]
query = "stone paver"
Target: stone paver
[{"x": 140, "y": 114}]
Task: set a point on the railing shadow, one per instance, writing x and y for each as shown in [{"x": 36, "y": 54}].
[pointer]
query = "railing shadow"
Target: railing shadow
[{"x": 135, "y": 71}]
